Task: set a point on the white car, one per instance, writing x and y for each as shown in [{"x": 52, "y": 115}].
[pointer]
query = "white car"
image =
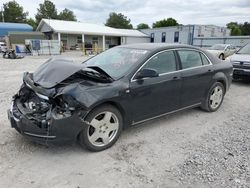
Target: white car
[
  {"x": 241, "y": 62},
  {"x": 222, "y": 51}
]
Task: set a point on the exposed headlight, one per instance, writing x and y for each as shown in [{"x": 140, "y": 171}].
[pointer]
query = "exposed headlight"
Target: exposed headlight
[{"x": 65, "y": 106}]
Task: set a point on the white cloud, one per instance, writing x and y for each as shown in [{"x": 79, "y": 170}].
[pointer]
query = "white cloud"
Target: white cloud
[{"x": 218, "y": 12}]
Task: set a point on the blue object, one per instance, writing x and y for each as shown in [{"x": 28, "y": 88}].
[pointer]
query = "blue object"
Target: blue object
[
  {"x": 35, "y": 44},
  {"x": 7, "y": 27}
]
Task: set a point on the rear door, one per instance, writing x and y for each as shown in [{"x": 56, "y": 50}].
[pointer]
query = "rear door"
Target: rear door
[
  {"x": 196, "y": 75},
  {"x": 154, "y": 96}
]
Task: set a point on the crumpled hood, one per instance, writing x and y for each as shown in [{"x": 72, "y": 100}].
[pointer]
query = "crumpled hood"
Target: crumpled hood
[
  {"x": 240, "y": 57},
  {"x": 55, "y": 71}
]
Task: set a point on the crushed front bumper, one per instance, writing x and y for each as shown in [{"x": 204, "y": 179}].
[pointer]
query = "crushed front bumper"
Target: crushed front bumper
[{"x": 54, "y": 130}]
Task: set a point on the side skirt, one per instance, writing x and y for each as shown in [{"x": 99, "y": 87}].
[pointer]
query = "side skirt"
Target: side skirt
[{"x": 158, "y": 116}]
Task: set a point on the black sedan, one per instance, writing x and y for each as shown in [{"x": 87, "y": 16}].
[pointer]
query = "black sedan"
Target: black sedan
[{"x": 94, "y": 101}]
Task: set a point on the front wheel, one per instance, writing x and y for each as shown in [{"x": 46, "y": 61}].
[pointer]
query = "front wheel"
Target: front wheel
[
  {"x": 104, "y": 128},
  {"x": 214, "y": 97}
]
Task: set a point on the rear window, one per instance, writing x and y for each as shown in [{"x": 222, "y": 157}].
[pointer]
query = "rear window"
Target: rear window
[
  {"x": 204, "y": 59},
  {"x": 190, "y": 59}
]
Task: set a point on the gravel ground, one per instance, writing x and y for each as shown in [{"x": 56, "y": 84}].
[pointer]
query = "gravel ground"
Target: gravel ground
[{"x": 188, "y": 149}]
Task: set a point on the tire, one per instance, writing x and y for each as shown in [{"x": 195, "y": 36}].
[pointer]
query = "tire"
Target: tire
[
  {"x": 221, "y": 56},
  {"x": 101, "y": 133},
  {"x": 214, "y": 98}
]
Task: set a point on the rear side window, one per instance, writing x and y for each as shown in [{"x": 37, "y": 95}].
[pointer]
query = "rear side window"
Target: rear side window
[
  {"x": 163, "y": 62},
  {"x": 190, "y": 58},
  {"x": 204, "y": 59}
]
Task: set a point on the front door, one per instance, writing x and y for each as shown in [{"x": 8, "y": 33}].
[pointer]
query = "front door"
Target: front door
[{"x": 151, "y": 97}]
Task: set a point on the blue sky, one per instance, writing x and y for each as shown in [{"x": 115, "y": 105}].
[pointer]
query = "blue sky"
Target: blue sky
[{"x": 217, "y": 12}]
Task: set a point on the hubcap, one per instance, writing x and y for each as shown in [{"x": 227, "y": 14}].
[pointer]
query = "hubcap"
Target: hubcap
[
  {"x": 216, "y": 97},
  {"x": 103, "y": 128}
]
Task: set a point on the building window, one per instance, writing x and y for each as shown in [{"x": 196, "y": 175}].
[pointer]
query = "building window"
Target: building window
[
  {"x": 163, "y": 37},
  {"x": 176, "y": 36},
  {"x": 108, "y": 41},
  {"x": 79, "y": 39},
  {"x": 95, "y": 40},
  {"x": 213, "y": 32},
  {"x": 152, "y": 39}
]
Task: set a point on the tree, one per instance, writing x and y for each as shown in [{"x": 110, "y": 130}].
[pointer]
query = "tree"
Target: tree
[
  {"x": 118, "y": 21},
  {"x": 165, "y": 23},
  {"x": 1, "y": 16},
  {"x": 245, "y": 28},
  {"x": 13, "y": 12},
  {"x": 67, "y": 14},
  {"x": 47, "y": 9},
  {"x": 235, "y": 28},
  {"x": 143, "y": 26},
  {"x": 32, "y": 22}
]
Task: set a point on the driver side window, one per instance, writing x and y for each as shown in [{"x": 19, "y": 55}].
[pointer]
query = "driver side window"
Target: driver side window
[{"x": 163, "y": 62}]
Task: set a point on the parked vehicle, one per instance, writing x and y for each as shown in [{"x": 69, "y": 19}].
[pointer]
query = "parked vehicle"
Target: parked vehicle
[
  {"x": 11, "y": 54},
  {"x": 123, "y": 86},
  {"x": 222, "y": 51},
  {"x": 241, "y": 63}
]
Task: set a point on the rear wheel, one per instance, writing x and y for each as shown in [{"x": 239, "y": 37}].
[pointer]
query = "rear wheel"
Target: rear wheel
[
  {"x": 105, "y": 126},
  {"x": 214, "y": 97}
]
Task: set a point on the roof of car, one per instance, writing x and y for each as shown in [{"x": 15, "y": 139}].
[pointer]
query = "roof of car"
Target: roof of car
[{"x": 156, "y": 46}]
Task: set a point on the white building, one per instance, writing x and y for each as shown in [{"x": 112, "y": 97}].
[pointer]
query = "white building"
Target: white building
[
  {"x": 185, "y": 34},
  {"x": 79, "y": 34}
]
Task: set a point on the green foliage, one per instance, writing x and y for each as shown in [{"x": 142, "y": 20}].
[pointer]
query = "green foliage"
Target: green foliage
[
  {"x": 32, "y": 23},
  {"x": 118, "y": 21},
  {"x": 245, "y": 28},
  {"x": 239, "y": 28},
  {"x": 143, "y": 26},
  {"x": 47, "y": 9},
  {"x": 235, "y": 29},
  {"x": 13, "y": 12},
  {"x": 165, "y": 23},
  {"x": 67, "y": 14}
]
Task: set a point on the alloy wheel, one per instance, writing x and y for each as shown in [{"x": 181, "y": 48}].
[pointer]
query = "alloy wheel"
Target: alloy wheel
[
  {"x": 216, "y": 97},
  {"x": 103, "y": 128}
]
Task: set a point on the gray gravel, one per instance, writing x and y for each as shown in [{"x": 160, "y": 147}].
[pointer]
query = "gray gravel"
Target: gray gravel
[{"x": 188, "y": 149}]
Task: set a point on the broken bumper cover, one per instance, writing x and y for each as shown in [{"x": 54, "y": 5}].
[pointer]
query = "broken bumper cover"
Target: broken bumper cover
[{"x": 54, "y": 130}]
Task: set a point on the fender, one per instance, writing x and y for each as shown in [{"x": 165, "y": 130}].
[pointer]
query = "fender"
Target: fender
[{"x": 220, "y": 76}]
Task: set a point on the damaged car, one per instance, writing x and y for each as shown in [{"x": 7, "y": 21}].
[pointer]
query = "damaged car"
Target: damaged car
[{"x": 94, "y": 101}]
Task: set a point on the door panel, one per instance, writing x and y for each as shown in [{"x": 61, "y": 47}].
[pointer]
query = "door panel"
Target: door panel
[
  {"x": 154, "y": 96},
  {"x": 196, "y": 76},
  {"x": 195, "y": 84}
]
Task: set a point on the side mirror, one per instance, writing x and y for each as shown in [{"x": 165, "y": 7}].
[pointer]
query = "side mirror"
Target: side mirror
[{"x": 146, "y": 73}]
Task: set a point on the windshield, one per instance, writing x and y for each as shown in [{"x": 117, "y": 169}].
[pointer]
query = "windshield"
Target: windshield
[
  {"x": 245, "y": 49},
  {"x": 116, "y": 61},
  {"x": 218, "y": 47}
]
